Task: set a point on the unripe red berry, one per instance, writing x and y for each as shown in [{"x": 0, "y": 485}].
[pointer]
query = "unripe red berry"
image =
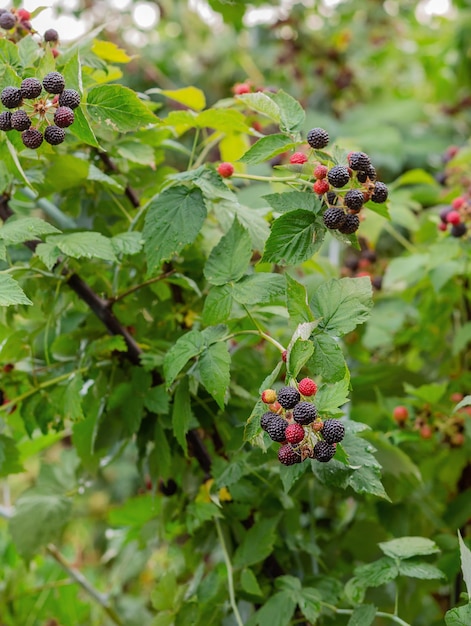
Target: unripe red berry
[
  {"x": 320, "y": 172},
  {"x": 23, "y": 14},
  {"x": 241, "y": 88},
  {"x": 442, "y": 226},
  {"x": 453, "y": 217},
  {"x": 225, "y": 169},
  {"x": 294, "y": 433},
  {"x": 320, "y": 187},
  {"x": 307, "y": 387},
  {"x": 426, "y": 432},
  {"x": 284, "y": 356},
  {"x": 298, "y": 158},
  {"x": 275, "y": 407},
  {"x": 456, "y": 397},
  {"x": 269, "y": 396},
  {"x": 458, "y": 202},
  {"x": 400, "y": 413}
]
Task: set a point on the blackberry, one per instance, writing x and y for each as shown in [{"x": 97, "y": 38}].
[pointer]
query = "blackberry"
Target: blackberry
[
  {"x": 5, "y": 120},
  {"x": 20, "y": 120},
  {"x": 359, "y": 161},
  {"x": 369, "y": 255},
  {"x": 288, "y": 397},
  {"x": 63, "y": 117},
  {"x": 318, "y": 138},
  {"x": 7, "y": 20},
  {"x": 351, "y": 224},
  {"x": 354, "y": 199},
  {"x": 333, "y": 431},
  {"x": 304, "y": 413},
  {"x": 277, "y": 429},
  {"x": 371, "y": 173},
  {"x": 51, "y": 35},
  {"x": 331, "y": 197},
  {"x": 323, "y": 451},
  {"x": 338, "y": 176},
  {"x": 458, "y": 230},
  {"x": 32, "y": 138},
  {"x": 362, "y": 177},
  {"x": 444, "y": 213},
  {"x": 54, "y": 135},
  {"x": 288, "y": 456},
  {"x": 334, "y": 217},
  {"x": 380, "y": 193},
  {"x": 377, "y": 282},
  {"x": 54, "y": 82},
  {"x": 69, "y": 98},
  {"x": 266, "y": 419},
  {"x": 31, "y": 88},
  {"x": 11, "y": 97}
]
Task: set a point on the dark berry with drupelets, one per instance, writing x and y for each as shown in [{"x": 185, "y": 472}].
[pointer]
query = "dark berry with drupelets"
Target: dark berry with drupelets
[
  {"x": 333, "y": 431},
  {"x": 54, "y": 82},
  {"x": 288, "y": 397},
  {"x": 276, "y": 429},
  {"x": 31, "y": 88},
  {"x": 54, "y": 135},
  {"x": 351, "y": 225},
  {"x": 288, "y": 456},
  {"x": 334, "y": 217},
  {"x": 304, "y": 413},
  {"x": 318, "y": 138},
  {"x": 11, "y": 97},
  {"x": 323, "y": 451},
  {"x": 338, "y": 176}
]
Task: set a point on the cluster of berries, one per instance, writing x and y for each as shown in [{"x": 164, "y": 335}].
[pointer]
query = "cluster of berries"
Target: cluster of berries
[
  {"x": 294, "y": 422},
  {"x": 449, "y": 424},
  {"x": 55, "y": 113},
  {"x": 456, "y": 216},
  {"x": 16, "y": 24}
]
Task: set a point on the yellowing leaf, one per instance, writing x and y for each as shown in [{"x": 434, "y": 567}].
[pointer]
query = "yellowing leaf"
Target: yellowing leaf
[
  {"x": 233, "y": 146},
  {"x": 110, "y": 52},
  {"x": 189, "y": 96}
]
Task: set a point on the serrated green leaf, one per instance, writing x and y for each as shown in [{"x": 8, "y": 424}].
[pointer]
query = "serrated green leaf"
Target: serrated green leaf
[
  {"x": 266, "y": 148},
  {"x": 328, "y": 360},
  {"x": 9, "y": 457},
  {"x": 263, "y": 104},
  {"x": 461, "y": 616},
  {"x": 96, "y": 175},
  {"x": 89, "y": 245},
  {"x": 260, "y": 288},
  {"x": 181, "y": 414},
  {"x": 28, "y": 50},
  {"x": 249, "y": 582},
  {"x": 291, "y": 113},
  {"x": 291, "y": 474},
  {"x": 229, "y": 259},
  {"x": 214, "y": 370},
  {"x": 293, "y": 201},
  {"x": 11, "y": 292},
  {"x": 185, "y": 348},
  {"x": 218, "y": 305},
  {"x": 465, "y": 555},
  {"x": 296, "y": 298},
  {"x": 342, "y": 304},
  {"x": 224, "y": 120},
  {"x": 136, "y": 152},
  {"x": 421, "y": 570},
  {"x": 331, "y": 396},
  {"x": 160, "y": 458},
  {"x": 25, "y": 229},
  {"x": 3, "y": 251},
  {"x": 377, "y": 573},
  {"x": 277, "y": 611},
  {"x": 156, "y": 400},
  {"x": 406, "y": 547},
  {"x": 127, "y": 243},
  {"x": 257, "y": 542},
  {"x": 135, "y": 511},
  {"x": 72, "y": 400},
  {"x": 118, "y": 108},
  {"x": 298, "y": 355},
  {"x": 367, "y": 480},
  {"x": 82, "y": 129},
  {"x": 294, "y": 238},
  {"x": 48, "y": 253},
  {"x": 174, "y": 218},
  {"x": 363, "y": 615}
]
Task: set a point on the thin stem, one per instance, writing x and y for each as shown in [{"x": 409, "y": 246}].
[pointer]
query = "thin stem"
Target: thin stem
[
  {"x": 396, "y": 599},
  {"x": 268, "y": 179},
  {"x": 193, "y": 149},
  {"x": 74, "y": 573},
  {"x": 62, "y": 220},
  {"x": 209, "y": 146},
  {"x": 259, "y": 333},
  {"x": 140, "y": 286},
  {"x": 230, "y": 578},
  {"x": 394, "y": 618}
]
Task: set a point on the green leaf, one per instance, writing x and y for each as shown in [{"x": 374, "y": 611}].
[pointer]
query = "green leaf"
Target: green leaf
[
  {"x": 38, "y": 519},
  {"x": 363, "y": 615},
  {"x": 28, "y": 50},
  {"x": 214, "y": 370},
  {"x": 342, "y": 304},
  {"x": 84, "y": 245},
  {"x": 260, "y": 288},
  {"x": 9, "y": 457},
  {"x": 328, "y": 360},
  {"x": 82, "y": 129},
  {"x": 262, "y": 103},
  {"x": 296, "y": 297},
  {"x": 406, "y": 547},
  {"x": 294, "y": 238},
  {"x": 277, "y": 611},
  {"x": 127, "y": 243},
  {"x": 224, "y": 120},
  {"x": 421, "y": 570},
  {"x": 377, "y": 573},
  {"x": 218, "y": 305},
  {"x": 25, "y": 229},
  {"x": 11, "y": 292},
  {"x": 249, "y": 583},
  {"x": 309, "y": 602},
  {"x": 165, "y": 594},
  {"x": 135, "y": 511},
  {"x": 48, "y": 253},
  {"x": 186, "y": 347},
  {"x": 156, "y": 400},
  {"x": 181, "y": 414},
  {"x": 136, "y": 152},
  {"x": 229, "y": 259},
  {"x": 174, "y": 219},
  {"x": 257, "y": 542},
  {"x": 266, "y": 148},
  {"x": 72, "y": 399},
  {"x": 294, "y": 200},
  {"x": 298, "y": 355},
  {"x": 160, "y": 458},
  {"x": 291, "y": 474},
  {"x": 118, "y": 108},
  {"x": 330, "y": 397},
  {"x": 292, "y": 114},
  {"x": 465, "y": 555},
  {"x": 96, "y": 175},
  {"x": 461, "y": 616}
]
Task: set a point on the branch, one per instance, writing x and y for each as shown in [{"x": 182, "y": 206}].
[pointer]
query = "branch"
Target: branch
[{"x": 129, "y": 191}]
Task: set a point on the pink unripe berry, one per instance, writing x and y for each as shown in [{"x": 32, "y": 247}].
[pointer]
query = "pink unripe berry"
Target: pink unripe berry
[
  {"x": 298, "y": 158},
  {"x": 225, "y": 169},
  {"x": 453, "y": 217},
  {"x": 320, "y": 172},
  {"x": 320, "y": 187},
  {"x": 275, "y": 407},
  {"x": 241, "y": 88},
  {"x": 294, "y": 433},
  {"x": 307, "y": 387},
  {"x": 284, "y": 356},
  {"x": 458, "y": 202},
  {"x": 442, "y": 226},
  {"x": 269, "y": 396},
  {"x": 23, "y": 14},
  {"x": 400, "y": 413}
]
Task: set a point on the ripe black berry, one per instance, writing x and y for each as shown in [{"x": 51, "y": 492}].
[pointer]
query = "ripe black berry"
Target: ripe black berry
[
  {"x": 69, "y": 98},
  {"x": 333, "y": 431},
  {"x": 362, "y": 176},
  {"x": 371, "y": 173},
  {"x": 51, "y": 35},
  {"x": 31, "y": 88},
  {"x": 288, "y": 397},
  {"x": 380, "y": 193},
  {"x": 54, "y": 135},
  {"x": 20, "y": 120},
  {"x": 11, "y": 97},
  {"x": 331, "y": 197},
  {"x": 304, "y": 413},
  {"x": 338, "y": 176},
  {"x": 359, "y": 161},
  {"x": 318, "y": 138},
  {"x": 351, "y": 224},
  {"x": 32, "y": 138},
  {"x": 323, "y": 451},
  {"x": 354, "y": 199},
  {"x": 334, "y": 217},
  {"x": 444, "y": 212},
  {"x": 7, "y": 20},
  {"x": 266, "y": 419},
  {"x": 277, "y": 429},
  {"x": 54, "y": 82},
  {"x": 63, "y": 117},
  {"x": 458, "y": 230},
  {"x": 288, "y": 456},
  {"x": 5, "y": 120}
]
